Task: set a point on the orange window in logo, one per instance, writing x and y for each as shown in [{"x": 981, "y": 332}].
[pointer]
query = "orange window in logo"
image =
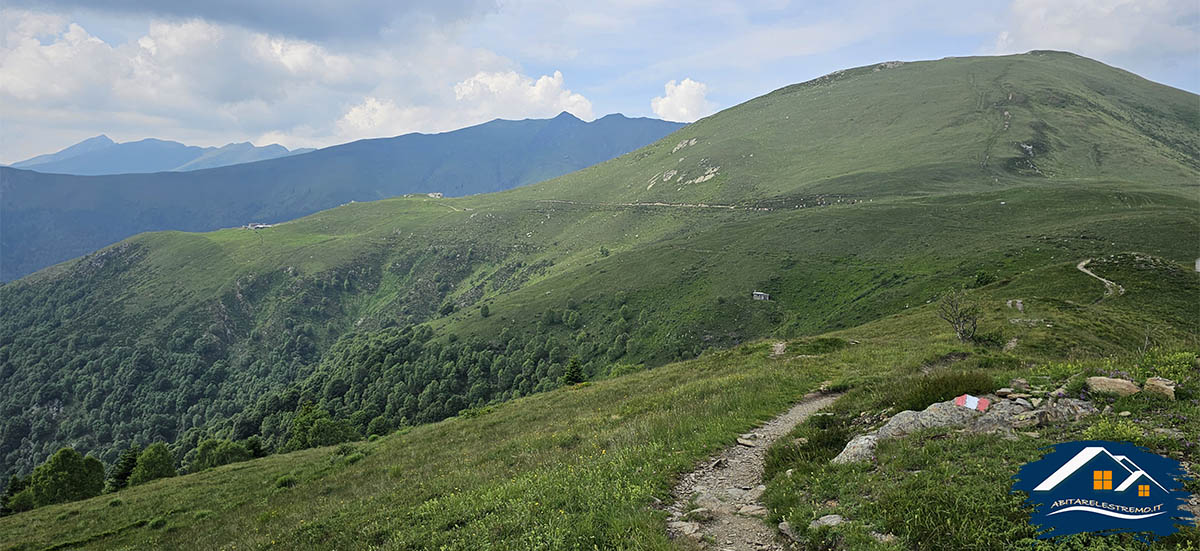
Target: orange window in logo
[
  {"x": 1143, "y": 490},
  {"x": 1101, "y": 480}
]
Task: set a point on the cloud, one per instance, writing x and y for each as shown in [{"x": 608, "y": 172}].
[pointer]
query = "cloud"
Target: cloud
[
  {"x": 209, "y": 84},
  {"x": 1102, "y": 28},
  {"x": 683, "y": 101},
  {"x": 319, "y": 20},
  {"x": 512, "y": 95}
]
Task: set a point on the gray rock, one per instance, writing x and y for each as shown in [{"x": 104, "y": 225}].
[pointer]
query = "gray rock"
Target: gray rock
[
  {"x": 1065, "y": 410},
  {"x": 1120, "y": 387},
  {"x": 745, "y": 442},
  {"x": 685, "y": 528},
  {"x": 883, "y": 538},
  {"x": 1024, "y": 403},
  {"x": 1019, "y": 384},
  {"x": 1125, "y": 413},
  {"x": 827, "y": 520},
  {"x": 941, "y": 414},
  {"x": 1160, "y": 386},
  {"x": 860, "y": 448},
  {"x": 785, "y": 528},
  {"x": 1170, "y": 433},
  {"x": 1004, "y": 392},
  {"x": 753, "y": 510}
]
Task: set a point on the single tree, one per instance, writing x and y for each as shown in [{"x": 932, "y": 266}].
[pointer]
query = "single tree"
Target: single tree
[
  {"x": 118, "y": 476},
  {"x": 960, "y": 312},
  {"x": 573, "y": 373},
  {"x": 154, "y": 463}
]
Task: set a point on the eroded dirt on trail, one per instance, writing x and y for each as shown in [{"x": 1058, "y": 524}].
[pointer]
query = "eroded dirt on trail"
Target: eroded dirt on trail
[
  {"x": 719, "y": 504},
  {"x": 1110, "y": 287}
]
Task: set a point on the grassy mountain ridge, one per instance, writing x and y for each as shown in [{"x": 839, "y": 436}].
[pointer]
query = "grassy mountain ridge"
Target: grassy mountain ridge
[
  {"x": 49, "y": 218},
  {"x": 891, "y": 186},
  {"x": 582, "y": 466}
]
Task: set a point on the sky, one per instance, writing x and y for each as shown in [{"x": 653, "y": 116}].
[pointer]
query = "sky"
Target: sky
[{"x": 313, "y": 73}]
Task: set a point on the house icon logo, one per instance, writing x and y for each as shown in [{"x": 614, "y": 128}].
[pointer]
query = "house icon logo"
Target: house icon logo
[{"x": 1099, "y": 486}]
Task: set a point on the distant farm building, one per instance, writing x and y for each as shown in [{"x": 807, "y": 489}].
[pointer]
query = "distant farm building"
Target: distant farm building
[
  {"x": 759, "y": 295},
  {"x": 257, "y": 226},
  {"x": 435, "y": 195}
]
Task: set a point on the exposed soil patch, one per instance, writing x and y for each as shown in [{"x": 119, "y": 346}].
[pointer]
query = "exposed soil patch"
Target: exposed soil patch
[{"x": 719, "y": 504}]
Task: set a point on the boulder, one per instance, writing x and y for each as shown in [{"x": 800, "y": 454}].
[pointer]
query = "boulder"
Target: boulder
[
  {"x": 1004, "y": 392},
  {"x": 860, "y": 448},
  {"x": 827, "y": 520},
  {"x": 1160, "y": 386},
  {"x": 1109, "y": 385},
  {"x": 941, "y": 414}
]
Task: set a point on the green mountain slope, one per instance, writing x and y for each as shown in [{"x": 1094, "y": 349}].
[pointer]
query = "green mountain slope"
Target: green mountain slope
[
  {"x": 49, "y": 218},
  {"x": 583, "y": 466},
  {"x": 849, "y": 198}
]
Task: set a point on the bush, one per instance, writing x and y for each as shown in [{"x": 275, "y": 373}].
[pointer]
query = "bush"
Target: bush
[
  {"x": 202, "y": 514},
  {"x": 916, "y": 393},
  {"x": 117, "y": 502},
  {"x": 354, "y": 458},
  {"x": 157, "y": 523},
  {"x": 1114, "y": 429},
  {"x": 154, "y": 463},
  {"x": 286, "y": 481}
]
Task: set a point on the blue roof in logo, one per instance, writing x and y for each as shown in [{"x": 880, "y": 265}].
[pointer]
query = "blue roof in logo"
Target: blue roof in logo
[{"x": 1099, "y": 486}]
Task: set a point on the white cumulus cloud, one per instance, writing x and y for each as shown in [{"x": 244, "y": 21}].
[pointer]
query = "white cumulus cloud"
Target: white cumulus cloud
[
  {"x": 512, "y": 95},
  {"x": 683, "y": 101}
]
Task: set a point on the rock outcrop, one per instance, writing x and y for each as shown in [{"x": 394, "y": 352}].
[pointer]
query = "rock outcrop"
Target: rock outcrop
[
  {"x": 1003, "y": 417},
  {"x": 1109, "y": 385}
]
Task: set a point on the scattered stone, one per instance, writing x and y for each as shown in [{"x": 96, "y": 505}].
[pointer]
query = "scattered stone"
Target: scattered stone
[
  {"x": 685, "y": 528},
  {"x": 1065, "y": 410},
  {"x": 1019, "y": 384},
  {"x": 1125, "y": 413},
  {"x": 753, "y": 510},
  {"x": 1031, "y": 434},
  {"x": 1019, "y": 395},
  {"x": 860, "y": 448},
  {"x": 1024, "y": 403},
  {"x": 1035, "y": 402},
  {"x": 1120, "y": 387},
  {"x": 883, "y": 538},
  {"x": 1004, "y": 392},
  {"x": 827, "y": 520},
  {"x": 785, "y": 528},
  {"x": 1160, "y": 386},
  {"x": 789, "y": 472},
  {"x": 1170, "y": 433},
  {"x": 745, "y": 442},
  {"x": 1107, "y": 410}
]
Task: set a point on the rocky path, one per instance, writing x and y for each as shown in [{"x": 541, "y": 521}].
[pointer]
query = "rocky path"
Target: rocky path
[
  {"x": 719, "y": 503},
  {"x": 1110, "y": 287}
]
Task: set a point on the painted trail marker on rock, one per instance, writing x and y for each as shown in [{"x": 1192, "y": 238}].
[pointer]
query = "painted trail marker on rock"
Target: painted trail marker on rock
[{"x": 972, "y": 402}]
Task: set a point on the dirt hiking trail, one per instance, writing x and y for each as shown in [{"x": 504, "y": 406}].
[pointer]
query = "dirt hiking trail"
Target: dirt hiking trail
[
  {"x": 719, "y": 503},
  {"x": 1110, "y": 287}
]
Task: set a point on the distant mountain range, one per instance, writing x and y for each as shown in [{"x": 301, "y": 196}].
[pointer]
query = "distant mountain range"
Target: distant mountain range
[
  {"x": 100, "y": 155},
  {"x": 46, "y": 218}
]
